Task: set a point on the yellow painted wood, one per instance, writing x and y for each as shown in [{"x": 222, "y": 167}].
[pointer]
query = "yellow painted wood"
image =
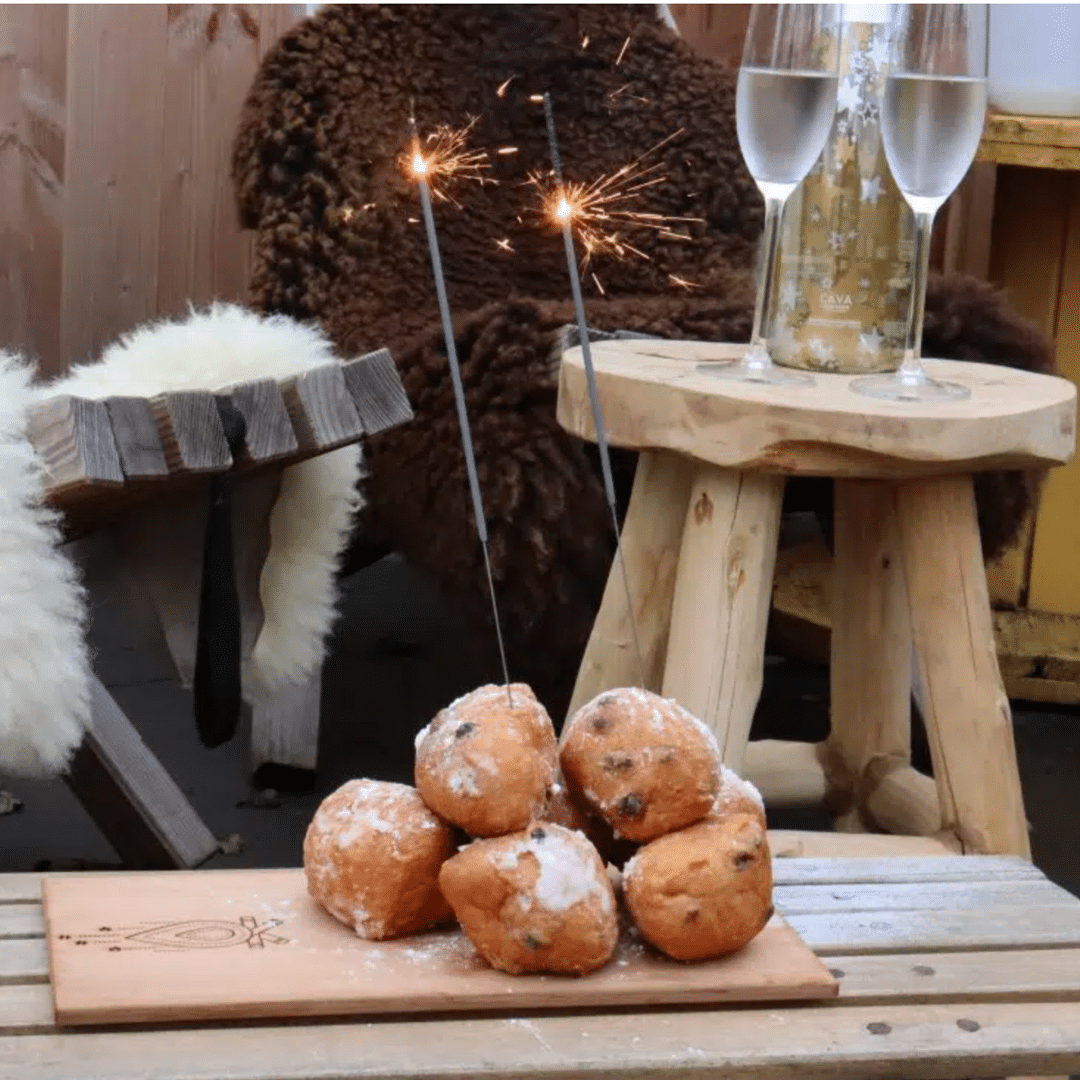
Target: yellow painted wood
[
  {"x": 1055, "y": 563},
  {"x": 1039, "y": 652},
  {"x": 1040, "y": 142}
]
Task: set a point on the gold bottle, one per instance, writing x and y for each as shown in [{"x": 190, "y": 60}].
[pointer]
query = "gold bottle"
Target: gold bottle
[{"x": 848, "y": 237}]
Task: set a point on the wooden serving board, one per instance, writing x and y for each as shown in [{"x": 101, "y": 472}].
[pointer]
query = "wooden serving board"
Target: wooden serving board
[{"x": 247, "y": 944}]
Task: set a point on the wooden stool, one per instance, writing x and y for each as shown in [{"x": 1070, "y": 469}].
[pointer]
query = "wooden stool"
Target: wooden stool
[
  {"x": 130, "y": 476},
  {"x": 700, "y": 542}
]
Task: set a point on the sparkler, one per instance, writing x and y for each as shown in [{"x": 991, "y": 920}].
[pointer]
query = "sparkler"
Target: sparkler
[
  {"x": 422, "y": 168},
  {"x": 564, "y": 210},
  {"x": 595, "y": 211},
  {"x": 444, "y": 155}
]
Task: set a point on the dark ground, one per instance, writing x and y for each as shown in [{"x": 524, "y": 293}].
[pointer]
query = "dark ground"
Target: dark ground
[{"x": 397, "y": 657}]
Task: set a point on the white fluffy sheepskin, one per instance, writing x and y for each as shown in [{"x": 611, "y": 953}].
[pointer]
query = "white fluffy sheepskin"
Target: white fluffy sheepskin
[
  {"x": 44, "y": 667},
  {"x": 310, "y": 523}
]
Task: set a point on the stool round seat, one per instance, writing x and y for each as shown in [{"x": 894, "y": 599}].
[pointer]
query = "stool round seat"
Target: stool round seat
[
  {"x": 699, "y": 546},
  {"x": 655, "y": 397}
]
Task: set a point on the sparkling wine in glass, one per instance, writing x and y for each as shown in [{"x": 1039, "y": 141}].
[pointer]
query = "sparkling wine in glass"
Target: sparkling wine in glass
[
  {"x": 785, "y": 102},
  {"x": 931, "y": 121}
]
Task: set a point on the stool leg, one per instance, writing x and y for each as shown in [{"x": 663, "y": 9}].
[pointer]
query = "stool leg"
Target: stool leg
[
  {"x": 870, "y": 663},
  {"x": 650, "y": 543},
  {"x": 968, "y": 721},
  {"x": 716, "y": 650}
]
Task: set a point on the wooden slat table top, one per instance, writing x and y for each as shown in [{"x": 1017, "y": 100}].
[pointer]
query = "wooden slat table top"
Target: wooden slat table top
[{"x": 949, "y": 967}]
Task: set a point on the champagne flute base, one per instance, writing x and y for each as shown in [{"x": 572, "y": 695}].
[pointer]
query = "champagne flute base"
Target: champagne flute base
[
  {"x": 895, "y": 388},
  {"x": 757, "y": 373}
]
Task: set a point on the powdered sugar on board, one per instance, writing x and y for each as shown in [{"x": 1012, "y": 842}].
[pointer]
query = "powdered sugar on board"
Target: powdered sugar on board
[{"x": 286, "y": 957}]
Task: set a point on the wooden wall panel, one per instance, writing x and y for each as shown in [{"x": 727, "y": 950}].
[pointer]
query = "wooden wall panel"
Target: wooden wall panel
[
  {"x": 714, "y": 30},
  {"x": 33, "y": 100},
  {"x": 116, "y": 123}
]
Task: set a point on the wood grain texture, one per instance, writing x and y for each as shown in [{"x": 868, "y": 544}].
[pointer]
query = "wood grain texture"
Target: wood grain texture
[
  {"x": 655, "y": 397},
  {"x": 995, "y": 1039},
  {"x": 967, "y": 715},
  {"x": 269, "y": 435},
  {"x": 869, "y": 673},
  {"x": 74, "y": 439},
  {"x": 116, "y": 125},
  {"x": 787, "y": 773},
  {"x": 133, "y": 800},
  {"x": 33, "y": 132},
  {"x": 330, "y": 971},
  {"x": 720, "y": 611},
  {"x": 321, "y": 409},
  {"x": 651, "y": 535},
  {"x": 375, "y": 387},
  {"x": 191, "y": 432},
  {"x": 138, "y": 442},
  {"x": 716, "y": 31}
]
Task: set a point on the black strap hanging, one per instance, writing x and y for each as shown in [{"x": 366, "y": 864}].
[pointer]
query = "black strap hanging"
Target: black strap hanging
[{"x": 217, "y": 693}]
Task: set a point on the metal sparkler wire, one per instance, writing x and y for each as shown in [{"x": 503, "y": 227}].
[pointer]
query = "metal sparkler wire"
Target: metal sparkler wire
[
  {"x": 590, "y": 377},
  {"x": 419, "y": 170}
]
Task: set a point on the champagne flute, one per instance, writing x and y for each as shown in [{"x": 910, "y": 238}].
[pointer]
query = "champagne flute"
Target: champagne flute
[
  {"x": 931, "y": 122},
  {"x": 784, "y": 108}
]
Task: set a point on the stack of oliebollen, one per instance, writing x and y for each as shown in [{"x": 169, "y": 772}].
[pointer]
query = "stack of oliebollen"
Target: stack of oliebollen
[{"x": 520, "y": 837}]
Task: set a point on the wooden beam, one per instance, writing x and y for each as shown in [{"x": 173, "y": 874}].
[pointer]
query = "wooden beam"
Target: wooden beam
[{"x": 130, "y": 796}]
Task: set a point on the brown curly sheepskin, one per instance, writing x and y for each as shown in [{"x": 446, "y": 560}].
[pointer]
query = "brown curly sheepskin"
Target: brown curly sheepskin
[{"x": 318, "y": 177}]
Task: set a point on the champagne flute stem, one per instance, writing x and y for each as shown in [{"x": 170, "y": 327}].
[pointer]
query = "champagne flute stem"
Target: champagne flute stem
[
  {"x": 757, "y": 356},
  {"x": 911, "y": 369}
]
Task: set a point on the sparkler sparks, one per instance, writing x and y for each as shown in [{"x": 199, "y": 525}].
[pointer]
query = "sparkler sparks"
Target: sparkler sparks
[
  {"x": 443, "y": 157},
  {"x": 503, "y": 87},
  {"x": 504, "y": 244},
  {"x": 600, "y": 212},
  {"x": 622, "y": 51},
  {"x": 682, "y": 282}
]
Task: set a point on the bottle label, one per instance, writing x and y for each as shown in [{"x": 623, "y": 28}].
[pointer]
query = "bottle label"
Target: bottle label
[{"x": 848, "y": 237}]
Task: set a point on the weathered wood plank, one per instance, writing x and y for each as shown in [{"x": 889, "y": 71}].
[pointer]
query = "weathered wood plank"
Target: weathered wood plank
[
  {"x": 137, "y": 440},
  {"x": 21, "y": 921},
  {"x": 320, "y": 408},
  {"x": 788, "y": 843},
  {"x": 933, "y": 868},
  {"x": 269, "y": 435},
  {"x": 375, "y": 387},
  {"x": 930, "y": 978},
  {"x": 943, "y": 1041},
  {"x": 1038, "y": 974},
  {"x": 26, "y": 1009},
  {"x": 20, "y": 888},
  {"x": 75, "y": 441},
  {"x": 133, "y": 800},
  {"x": 191, "y": 432},
  {"x": 940, "y": 931},
  {"x": 24, "y": 960},
  {"x": 922, "y": 896}
]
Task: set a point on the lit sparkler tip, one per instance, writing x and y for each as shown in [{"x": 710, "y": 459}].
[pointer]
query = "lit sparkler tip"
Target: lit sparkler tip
[
  {"x": 419, "y": 165},
  {"x": 563, "y": 209}
]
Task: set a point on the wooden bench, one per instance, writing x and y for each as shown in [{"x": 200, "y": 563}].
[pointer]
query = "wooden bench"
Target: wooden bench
[
  {"x": 949, "y": 967},
  {"x": 136, "y": 470}
]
